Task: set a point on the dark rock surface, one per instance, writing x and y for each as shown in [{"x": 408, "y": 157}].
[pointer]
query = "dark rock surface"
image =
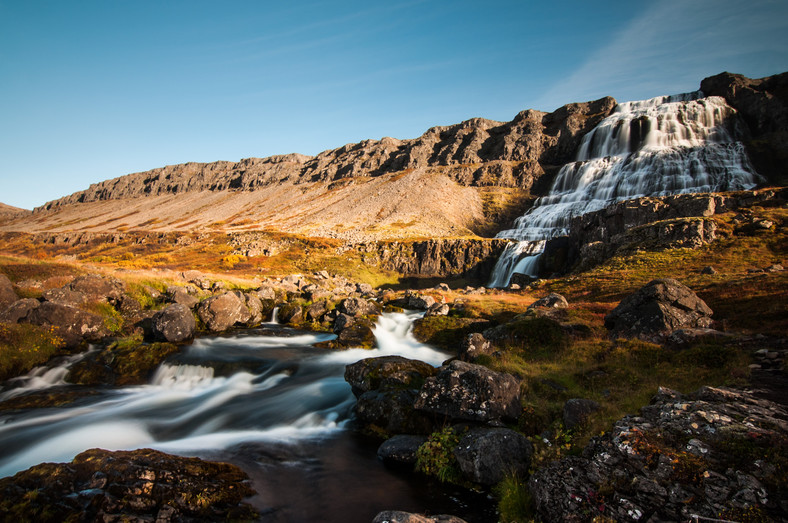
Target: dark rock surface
[
  {"x": 465, "y": 391},
  {"x": 387, "y": 373},
  {"x": 656, "y": 310},
  {"x": 718, "y": 453},
  {"x": 473, "y": 346},
  {"x": 551, "y": 301},
  {"x": 180, "y": 295},
  {"x": 141, "y": 485},
  {"x": 98, "y": 288},
  {"x": 395, "y": 516},
  {"x": 175, "y": 323},
  {"x": 400, "y": 450},
  {"x": 486, "y": 456},
  {"x": 19, "y": 310},
  {"x": 72, "y": 324},
  {"x": 359, "y": 307},
  {"x": 219, "y": 313}
]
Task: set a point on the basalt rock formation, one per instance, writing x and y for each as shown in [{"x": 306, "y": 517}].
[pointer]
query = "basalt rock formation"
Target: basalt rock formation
[{"x": 477, "y": 152}]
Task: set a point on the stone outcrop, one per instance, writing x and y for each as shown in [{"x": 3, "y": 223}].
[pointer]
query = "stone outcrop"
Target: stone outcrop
[
  {"x": 221, "y": 312},
  {"x": 72, "y": 324},
  {"x": 396, "y": 516},
  {"x": 439, "y": 257},
  {"x": 487, "y": 455},
  {"x": 657, "y": 309},
  {"x": 141, "y": 485},
  {"x": 7, "y": 293},
  {"x": 717, "y": 453},
  {"x": 476, "y": 152},
  {"x": 465, "y": 391},
  {"x": 763, "y": 105},
  {"x": 175, "y": 323},
  {"x": 650, "y": 223}
]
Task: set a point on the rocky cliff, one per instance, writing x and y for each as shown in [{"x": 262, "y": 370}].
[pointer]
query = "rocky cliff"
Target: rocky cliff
[{"x": 477, "y": 152}]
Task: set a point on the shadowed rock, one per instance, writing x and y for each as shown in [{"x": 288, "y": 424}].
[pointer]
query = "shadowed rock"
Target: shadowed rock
[
  {"x": 487, "y": 456},
  {"x": 175, "y": 323},
  {"x": 7, "y": 293}
]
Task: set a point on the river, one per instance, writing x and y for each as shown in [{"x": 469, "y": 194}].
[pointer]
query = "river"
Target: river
[{"x": 264, "y": 399}]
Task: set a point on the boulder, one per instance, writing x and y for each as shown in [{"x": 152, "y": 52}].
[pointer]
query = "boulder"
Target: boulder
[
  {"x": 438, "y": 309},
  {"x": 656, "y": 310},
  {"x": 175, "y": 323},
  {"x": 673, "y": 461},
  {"x": 7, "y": 293},
  {"x": 221, "y": 312},
  {"x": 98, "y": 288},
  {"x": 19, "y": 310},
  {"x": 177, "y": 294},
  {"x": 577, "y": 410},
  {"x": 256, "y": 309},
  {"x": 357, "y": 333},
  {"x": 290, "y": 313},
  {"x": 417, "y": 301},
  {"x": 72, "y": 324},
  {"x": 488, "y": 455},
  {"x": 400, "y": 450},
  {"x": 64, "y": 296},
  {"x": 266, "y": 293},
  {"x": 316, "y": 311},
  {"x": 342, "y": 321},
  {"x": 359, "y": 307},
  {"x": 387, "y": 373},
  {"x": 551, "y": 301},
  {"x": 140, "y": 485},
  {"x": 473, "y": 346},
  {"x": 391, "y": 412},
  {"x": 465, "y": 391},
  {"x": 395, "y": 516}
]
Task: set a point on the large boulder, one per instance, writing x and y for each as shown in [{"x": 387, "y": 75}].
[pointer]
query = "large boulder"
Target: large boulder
[
  {"x": 178, "y": 294},
  {"x": 221, "y": 312},
  {"x": 72, "y": 324},
  {"x": 18, "y": 311},
  {"x": 98, "y": 288},
  {"x": 64, "y": 296},
  {"x": 140, "y": 485},
  {"x": 712, "y": 454},
  {"x": 387, "y": 373},
  {"x": 359, "y": 307},
  {"x": 465, "y": 391},
  {"x": 656, "y": 310},
  {"x": 473, "y": 346},
  {"x": 401, "y": 450},
  {"x": 174, "y": 323},
  {"x": 7, "y": 293},
  {"x": 551, "y": 301},
  {"x": 488, "y": 455},
  {"x": 386, "y": 388}
]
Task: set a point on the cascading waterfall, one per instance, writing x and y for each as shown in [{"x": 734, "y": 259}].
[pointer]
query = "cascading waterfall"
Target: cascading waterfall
[{"x": 665, "y": 145}]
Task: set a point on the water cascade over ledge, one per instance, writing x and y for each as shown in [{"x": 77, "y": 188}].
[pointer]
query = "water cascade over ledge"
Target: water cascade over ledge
[{"x": 666, "y": 145}]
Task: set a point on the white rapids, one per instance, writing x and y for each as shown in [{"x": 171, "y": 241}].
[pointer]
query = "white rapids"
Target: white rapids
[{"x": 666, "y": 145}]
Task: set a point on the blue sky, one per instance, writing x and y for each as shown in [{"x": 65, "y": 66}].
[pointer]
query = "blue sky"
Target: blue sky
[{"x": 95, "y": 90}]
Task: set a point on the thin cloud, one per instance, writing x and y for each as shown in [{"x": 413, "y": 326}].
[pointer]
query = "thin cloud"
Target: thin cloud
[{"x": 672, "y": 45}]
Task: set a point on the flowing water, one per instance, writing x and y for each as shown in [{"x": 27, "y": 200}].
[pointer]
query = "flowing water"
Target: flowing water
[
  {"x": 265, "y": 399},
  {"x": 666, "y": 145}
]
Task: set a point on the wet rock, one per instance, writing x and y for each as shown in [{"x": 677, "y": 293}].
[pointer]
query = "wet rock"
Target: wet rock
[
  {"x": 291, "y": 313},
  {"x": 219, "y": 313},
  {"x": 387, "y": 373},
  {"x": 400, "y": 450},
  {"x": 473, "y": 346},
  {"x": 19, "y": 310},
  {"x": 342, "y": 321},
  {"x": 351, "y": 333},
  {"x": 577, "y": 410},
  {"x": 551, "y": 301},
  {"x": 395, "y": 516},
  {"x": 140, "y": 485},
  {"x": 656, "y": 310},
  {"x": 7, "y": 293},
  {"x": 487, "y": 455},
  {"x": 465, "y": 391},
  {"x": 359, "y": 307},
  {"x": 175, "y": 323}
]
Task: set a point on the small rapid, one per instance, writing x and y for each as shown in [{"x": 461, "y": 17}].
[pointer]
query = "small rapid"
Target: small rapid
[
  {"x": 267, "y": 385},
  {"x": 666, "y": 145}
]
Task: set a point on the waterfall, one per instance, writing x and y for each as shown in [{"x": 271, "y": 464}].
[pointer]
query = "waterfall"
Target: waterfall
[{"x": 666, "y": 145}]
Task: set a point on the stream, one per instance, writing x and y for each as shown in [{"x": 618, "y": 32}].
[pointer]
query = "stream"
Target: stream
[{"x": 264, "y": 399}]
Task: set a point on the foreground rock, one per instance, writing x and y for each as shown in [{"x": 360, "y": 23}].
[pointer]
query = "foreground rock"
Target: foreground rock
[
  {"x": 718, "y": 453},
  {"x": 142, "y": 485},
  {"x": 658, "y": 309},
  {"x": 465, "y": 391},
  {"x": 487, "y": 456},
  {"x": 7, "y": 293},
  {"x": 174, "y": 323},
  {"x": 395, "y": 516},
  {"x": 219, "y": 313},
  {"x": 72, "y": 324}
]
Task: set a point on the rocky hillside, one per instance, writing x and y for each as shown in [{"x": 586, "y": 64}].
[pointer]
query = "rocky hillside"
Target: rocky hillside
[
  {"x": 8, "y": 211},
  {"x": 477, "y": 152}
]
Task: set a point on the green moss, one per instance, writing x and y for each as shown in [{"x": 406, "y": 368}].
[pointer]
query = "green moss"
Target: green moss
[
  {"x": 446, "y": 332},
  {"x": 24, "y": 346},
  {"x": 436, "y": 458},
  {"x": 514, "y": 501}
]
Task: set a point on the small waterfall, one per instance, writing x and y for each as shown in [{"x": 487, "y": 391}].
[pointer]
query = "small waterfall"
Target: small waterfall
[
  {"x": 184, "y": 377},
  {"x": 665, "y": 145},
  {"x": 274, "y": 315},
  {"x": 42, "y": 377}
]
